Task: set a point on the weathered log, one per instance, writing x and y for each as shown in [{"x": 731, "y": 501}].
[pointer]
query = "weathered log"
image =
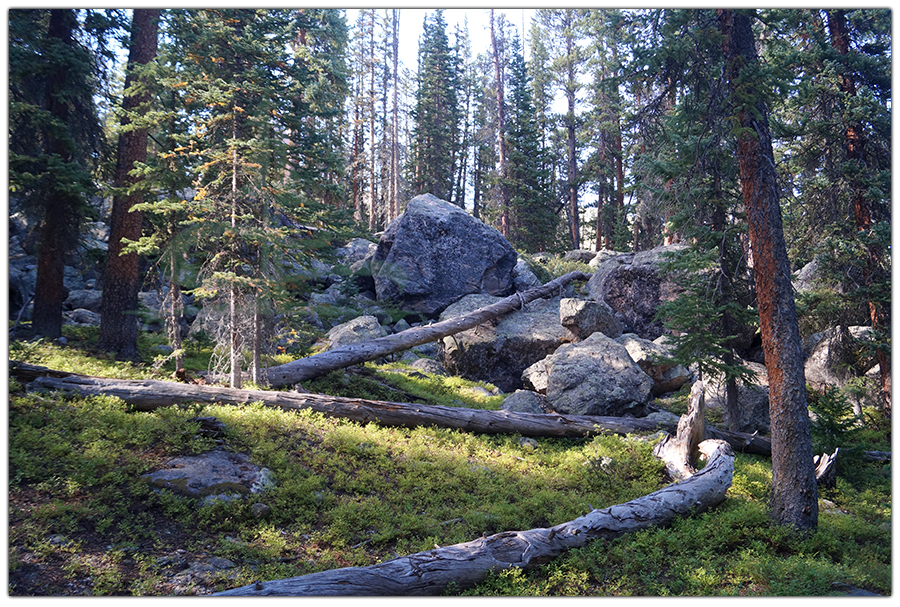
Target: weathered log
[
  {"x": 148, "y": 395},
  {"x": 302, "y": 369},
  {"x": 680, "y": 452},
  {"x": 826, "y": 469},
  {"x": 464, "y": 565}
]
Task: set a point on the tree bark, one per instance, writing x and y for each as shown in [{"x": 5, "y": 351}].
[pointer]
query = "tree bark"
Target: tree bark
[
  {"x": 49, "y": 291},
  {"x": 149, "y": 395},
  {"x": 121, "y": 277},
  {"x": 306, "y": 368},
  {"x": 465, "y": 565},
  {"x": 794, "y": 496}
]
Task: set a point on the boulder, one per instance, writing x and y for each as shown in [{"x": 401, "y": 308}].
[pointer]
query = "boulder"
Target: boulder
[
  {"x": 593, "y": 377},
  {"x": 651, "y": 358},
  {"x": 435, "y": 253},
  {"x": 581, "y": 255},
  {"x": 526, "y": 401},
  {"x": 584, "y": 318},
  {"x": 835, "y": 358},
  {"x": 213, "y": 473},
  {"x": 606, "y": 254},
  {"x": 634, "y": 287},
  {"x": 360, "y": 329},
  {"x": 356, "y": 250},
  {"x": 523, "y": 277},
  {"x": 753, "y": 399},
  {"x": 84, "y": 299},
  {"x": 498, "y": 351},
  {"x": 82, "y": 317}
]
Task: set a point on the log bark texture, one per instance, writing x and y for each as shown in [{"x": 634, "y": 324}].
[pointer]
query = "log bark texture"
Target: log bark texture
[
  {"x": 464, "y": 565},
  {"x": 303, "y": 369},
  {"x": 148, "y": 395}
]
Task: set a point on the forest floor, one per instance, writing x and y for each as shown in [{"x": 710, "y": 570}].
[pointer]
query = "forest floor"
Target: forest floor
[{"x": 82, "y": 522}]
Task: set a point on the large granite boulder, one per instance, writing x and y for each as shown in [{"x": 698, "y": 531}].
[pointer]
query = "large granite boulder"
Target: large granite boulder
[
  {"x": 837, "y": 356},
  {"x": 498, "y": 351},
  {"x": 651, "y": 358},
  {"x": 436, "y": 253},
  {"x": 584, "y": 318},
  {"x": 360, "y": 329},
  {"x": 634, "y": 287},
  {"x": 594, "y": 377},
  {"x": 753, "y": 399}
]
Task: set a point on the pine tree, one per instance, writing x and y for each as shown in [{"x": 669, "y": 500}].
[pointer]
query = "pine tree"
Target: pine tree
[
  {"x": 256, "y": 98},
  {"x": 562, "y": 27},
  {"x": 794, "y": 496},
  {"x": 532, "y": 220},
  {"x": 55, "y": 137},
  {"x": 436, "y": 112}
]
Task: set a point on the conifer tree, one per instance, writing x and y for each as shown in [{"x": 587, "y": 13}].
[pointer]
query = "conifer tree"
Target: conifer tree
[
  {"x": 532, "y": 222},
  {"x": 55, "y": 137},
  {"x": 255, "y": 96},
  {"x": 436, "y": 112}
]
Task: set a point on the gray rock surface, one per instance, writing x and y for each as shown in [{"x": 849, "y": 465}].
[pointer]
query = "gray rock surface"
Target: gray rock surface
[
  {"x": 834, "y": 360},
  {"x": 526, "y": 401},
  {"x": 214, "y": 473},
  {"x": 633, "y": 287},
  {"x": 593, "y": 377},
  {"x": 523, "y": 277},
  {"x": 498, "y": 351},
  {"x": 585, "y": 317},
  {"x": 436, "y": 253},
  {"x": 360, "y": 329},
  {"x": 753, "y": 399},
  {"x": 649, "y": 356}
]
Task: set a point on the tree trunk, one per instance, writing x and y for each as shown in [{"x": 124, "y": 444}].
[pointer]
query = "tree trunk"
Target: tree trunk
[
  {"x": 373, "y": 203},
  {"x": 501, "y": 134},
  {"x": 49, "y": 291},
  {"x": 794, "y": 496},
  {"x": 149, "y": 395},
  {"x": 121, "y": 278},
  {"x": 464, "y": 565},
  {"x": 306, "y": 368},
  {"x": 572, "y": 159},
  {"x": 395, "y": 127}
]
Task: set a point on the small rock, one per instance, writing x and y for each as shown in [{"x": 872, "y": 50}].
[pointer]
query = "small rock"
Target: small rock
[
  {"x": 527, "y": 443},
  {"x": 260, "y": 510}
]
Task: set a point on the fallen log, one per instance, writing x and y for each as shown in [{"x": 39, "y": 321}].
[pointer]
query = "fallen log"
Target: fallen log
[
  {"x": 464, "y": 565},
  {"x": 303, "y": 369},
  {"x": 148, "y": 395}
]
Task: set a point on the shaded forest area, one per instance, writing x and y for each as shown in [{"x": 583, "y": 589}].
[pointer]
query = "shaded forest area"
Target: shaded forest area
[{"x": 231, "y": 153}]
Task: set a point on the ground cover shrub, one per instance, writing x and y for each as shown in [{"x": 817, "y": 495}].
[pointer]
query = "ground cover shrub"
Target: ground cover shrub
[{"x": 81, "y": 521}]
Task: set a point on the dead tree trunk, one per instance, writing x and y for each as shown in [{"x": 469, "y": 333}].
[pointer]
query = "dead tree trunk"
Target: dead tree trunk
[
  {"x": 680, "y": 453},
  {"x": 307, "y": 368},
  {"x": 464, "y": 565},
  {"x": 148, "y": 395}
]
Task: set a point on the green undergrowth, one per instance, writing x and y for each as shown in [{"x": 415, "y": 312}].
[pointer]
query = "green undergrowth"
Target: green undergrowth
[{"x": 349, "y": 494}]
